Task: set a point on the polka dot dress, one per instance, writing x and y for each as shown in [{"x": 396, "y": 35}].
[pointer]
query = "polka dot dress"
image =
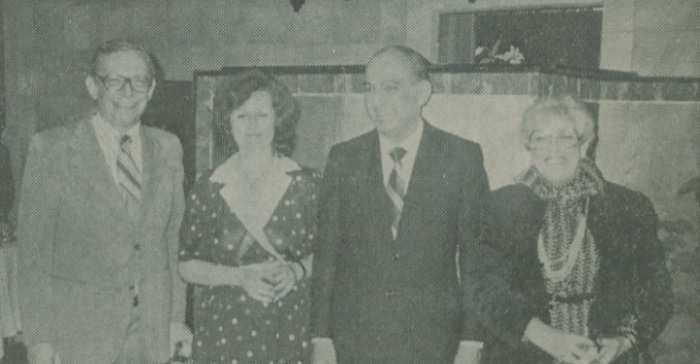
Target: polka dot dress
[{"x": 230, "y": 327}]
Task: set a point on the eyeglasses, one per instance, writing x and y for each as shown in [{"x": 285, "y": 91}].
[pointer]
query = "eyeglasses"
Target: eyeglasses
[
  {"x": 117, "y": 83},
  {"x": 560, "y": 141}
]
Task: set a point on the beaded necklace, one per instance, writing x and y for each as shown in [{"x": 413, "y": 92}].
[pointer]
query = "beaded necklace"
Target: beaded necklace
[{"x": 556, "y": 270}]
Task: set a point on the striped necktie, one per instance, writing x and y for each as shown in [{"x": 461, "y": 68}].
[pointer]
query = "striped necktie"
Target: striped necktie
[
  {"x": 396, "y": 188},
  {"x": 128, "y": 175}
]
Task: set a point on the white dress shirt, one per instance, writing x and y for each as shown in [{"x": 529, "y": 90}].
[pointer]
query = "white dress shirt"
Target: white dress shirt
[
  {"x": 410, "y": 144},
  {"x": 405, "y": 166},
  {"x": 108, "y": 138}
]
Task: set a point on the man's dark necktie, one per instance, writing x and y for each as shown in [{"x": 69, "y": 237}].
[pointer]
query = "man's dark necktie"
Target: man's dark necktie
[{"x": 396, "y": 188}]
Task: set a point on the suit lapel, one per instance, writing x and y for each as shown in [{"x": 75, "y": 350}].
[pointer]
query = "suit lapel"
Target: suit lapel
[
  {"x": 89, "y": 161},
  {"x": 421, "y": 185},
  {"x": 377, "y": 199},
  {"x": 154, "y": 165}
]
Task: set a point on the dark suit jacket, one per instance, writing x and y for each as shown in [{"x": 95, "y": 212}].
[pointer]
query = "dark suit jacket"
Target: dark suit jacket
[
  {"x": 386, "y": 301},
  {"x": 7, "y": 187},
  {"x": 80, "y": 251},
  {"x": 632, "y": 278}
]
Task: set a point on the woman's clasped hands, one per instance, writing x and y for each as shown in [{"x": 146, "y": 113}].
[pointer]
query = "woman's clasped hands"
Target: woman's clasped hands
[
  {"x": 269, "y": 282},
  {"x": 569, "y": 348},
  {"x": 611, "y": 348},
  {"x": 575, "y": 349},
  {"x": 605, "y": 351}
]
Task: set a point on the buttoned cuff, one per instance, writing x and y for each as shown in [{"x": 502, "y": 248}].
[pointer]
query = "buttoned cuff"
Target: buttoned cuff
[
  {"x": 469, "y": 344},
  {"x": 321, "y": 340}
]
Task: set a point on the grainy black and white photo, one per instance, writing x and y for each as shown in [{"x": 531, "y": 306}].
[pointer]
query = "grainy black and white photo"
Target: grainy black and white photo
[{"x": 350, "y": 181}]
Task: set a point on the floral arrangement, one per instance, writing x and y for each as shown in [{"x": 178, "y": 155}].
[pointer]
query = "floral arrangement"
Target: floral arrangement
[{"x": 484, "y": 56}]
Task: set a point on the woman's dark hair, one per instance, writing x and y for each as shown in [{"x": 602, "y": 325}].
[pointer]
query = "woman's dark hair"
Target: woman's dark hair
[{"x": 234, "y": 91}]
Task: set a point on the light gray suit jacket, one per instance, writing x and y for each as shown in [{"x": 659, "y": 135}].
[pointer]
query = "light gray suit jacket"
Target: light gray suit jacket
[{"x": 81, "y": 251}]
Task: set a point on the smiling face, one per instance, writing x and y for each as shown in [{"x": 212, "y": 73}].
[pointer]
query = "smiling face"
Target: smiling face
[
  {"x": 122, "y": 107},
  {"x": 393, "y": 96},
  {"x": 556, "y": 149},
  {"x": 253, "y": 123}
]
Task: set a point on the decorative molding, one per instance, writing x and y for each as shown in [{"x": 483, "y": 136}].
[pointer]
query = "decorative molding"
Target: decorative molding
[{"x": 494, "y": 79}]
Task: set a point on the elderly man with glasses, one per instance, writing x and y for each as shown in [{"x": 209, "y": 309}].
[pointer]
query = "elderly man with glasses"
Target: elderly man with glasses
[{"x": 99, "y": 216}]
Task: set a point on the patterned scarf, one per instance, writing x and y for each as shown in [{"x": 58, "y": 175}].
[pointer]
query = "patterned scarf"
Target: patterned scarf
[
  {"x": 565, "y": 204},
  {"x": 587, "y": 182}
]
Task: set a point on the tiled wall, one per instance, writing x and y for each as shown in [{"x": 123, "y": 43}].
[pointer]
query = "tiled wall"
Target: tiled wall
[
  {"x": 476, "y": 103},
  {"x": 652, "y": 37}
]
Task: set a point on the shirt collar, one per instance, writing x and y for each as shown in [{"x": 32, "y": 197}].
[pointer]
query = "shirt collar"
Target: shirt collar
[{"x": 103, "y": 124}]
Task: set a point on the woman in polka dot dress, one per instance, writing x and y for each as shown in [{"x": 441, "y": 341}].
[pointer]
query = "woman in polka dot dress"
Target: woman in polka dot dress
[{"x": 248, "y": 230}]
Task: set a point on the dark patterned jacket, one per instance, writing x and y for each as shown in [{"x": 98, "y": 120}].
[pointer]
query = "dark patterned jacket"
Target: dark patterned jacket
[{"x": 633, "y": 289}]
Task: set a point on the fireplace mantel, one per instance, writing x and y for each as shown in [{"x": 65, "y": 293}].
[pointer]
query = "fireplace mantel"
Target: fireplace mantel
[{"x": 494, "y": 79}]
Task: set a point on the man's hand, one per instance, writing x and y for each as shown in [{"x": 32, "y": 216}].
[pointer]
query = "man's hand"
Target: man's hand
[
  {"x": 180, "y": 340},
  {"x": 469, "y": 352},
  {"x": 323, "y": 352},
  {"x": 43, "y": 353}
]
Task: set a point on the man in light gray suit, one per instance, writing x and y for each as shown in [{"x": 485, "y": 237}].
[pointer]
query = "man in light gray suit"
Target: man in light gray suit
[{"x": 100, "y": 209}]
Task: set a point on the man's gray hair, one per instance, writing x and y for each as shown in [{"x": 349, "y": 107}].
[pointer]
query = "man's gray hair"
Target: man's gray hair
[{"x": 120, "y": 45}]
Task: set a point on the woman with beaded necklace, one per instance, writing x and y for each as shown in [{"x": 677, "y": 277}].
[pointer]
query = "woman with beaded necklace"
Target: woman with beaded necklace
[{"x": 574, "y": 271}]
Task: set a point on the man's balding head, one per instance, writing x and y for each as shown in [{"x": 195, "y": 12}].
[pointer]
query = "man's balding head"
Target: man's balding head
[
  {"x": 397, "y": 88},
  {"x": 415, "y": 62}
]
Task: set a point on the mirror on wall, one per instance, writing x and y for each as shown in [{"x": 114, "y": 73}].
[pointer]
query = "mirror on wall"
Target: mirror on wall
[{"x": 544, "y": 36}]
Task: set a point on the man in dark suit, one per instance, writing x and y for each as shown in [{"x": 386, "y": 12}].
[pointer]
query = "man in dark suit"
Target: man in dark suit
[
  {"x": 99, "y": 215},
  {"x": 400, "y": 212}
]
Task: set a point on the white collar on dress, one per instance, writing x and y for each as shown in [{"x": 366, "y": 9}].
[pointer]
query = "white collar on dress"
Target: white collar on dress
[{"x": 255, "y": 217}]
